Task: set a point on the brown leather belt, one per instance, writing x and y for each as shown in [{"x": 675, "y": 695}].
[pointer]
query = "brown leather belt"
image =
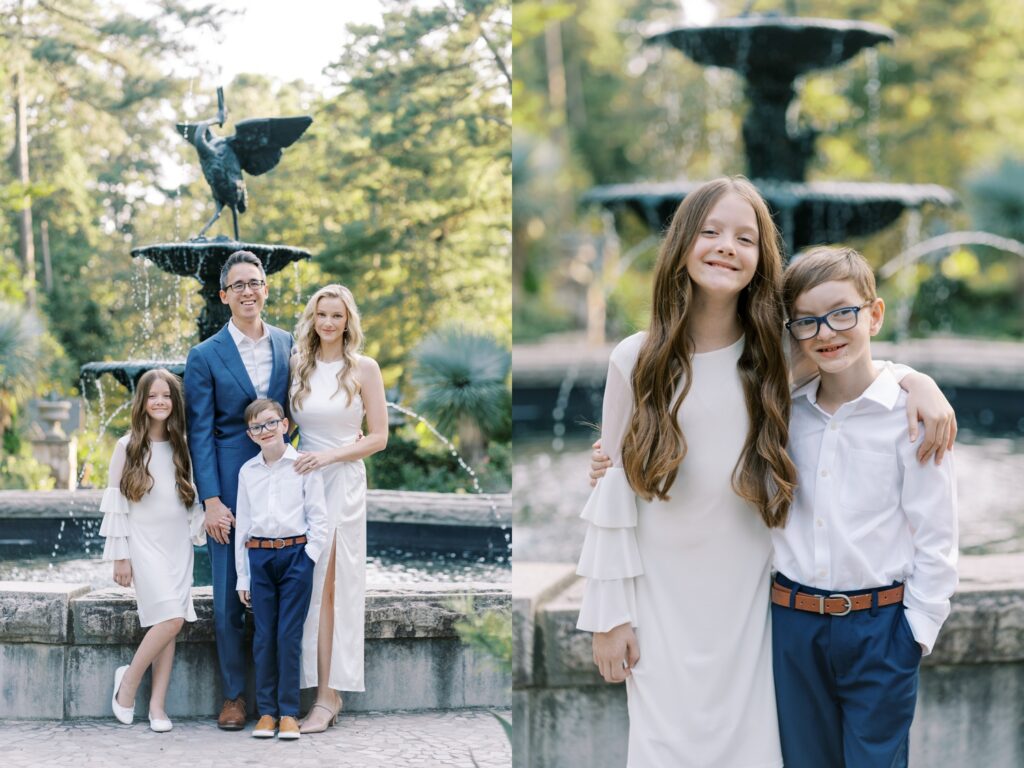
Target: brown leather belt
[
  {"x": 274, "y": 543},
  {"x": 837, "y": 604}
]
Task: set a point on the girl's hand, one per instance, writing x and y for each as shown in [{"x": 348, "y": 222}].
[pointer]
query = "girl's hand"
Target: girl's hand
[
  {"x": 314, "y": 460},
  {"x": 926, "y": 403},
  {"x": 244, "y": 596},
  {"x": 123, "y": 572},
  {"x": 599, "y": 464},
  {"x": 616, "y": 652}
]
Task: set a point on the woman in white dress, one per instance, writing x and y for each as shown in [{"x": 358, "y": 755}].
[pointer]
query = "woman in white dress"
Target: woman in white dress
[
  {"x": 333, "y": 388},
  {"x": 677, "y": 553},
  {"x": 146, "y": 521}
]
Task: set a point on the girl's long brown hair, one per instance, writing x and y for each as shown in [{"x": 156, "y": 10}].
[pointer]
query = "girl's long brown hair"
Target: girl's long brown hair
[
  {"x": 654, "y": 445},
  {"x": 136, "y": 481}
]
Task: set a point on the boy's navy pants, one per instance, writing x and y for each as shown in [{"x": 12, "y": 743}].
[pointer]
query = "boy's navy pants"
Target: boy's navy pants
[
  {"x": 280, "y": 585},
  {"x": 845, "y": 686}
]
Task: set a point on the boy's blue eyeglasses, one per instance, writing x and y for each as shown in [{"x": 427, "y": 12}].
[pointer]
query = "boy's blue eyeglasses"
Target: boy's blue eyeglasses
[
  {"x": 258, "y": 429},
  {"x": 841, "y": 319}
]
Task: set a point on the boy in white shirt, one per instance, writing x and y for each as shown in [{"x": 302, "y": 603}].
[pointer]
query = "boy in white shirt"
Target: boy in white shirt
[
  {"x": 866, "y": 562},
  {"x": 277, "y": 512}
]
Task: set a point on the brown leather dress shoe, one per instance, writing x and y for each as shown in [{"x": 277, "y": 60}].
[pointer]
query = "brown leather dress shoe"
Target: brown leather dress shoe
[
  {"x": 232, "y": 715},
  {"x": 289, "y": 728}
]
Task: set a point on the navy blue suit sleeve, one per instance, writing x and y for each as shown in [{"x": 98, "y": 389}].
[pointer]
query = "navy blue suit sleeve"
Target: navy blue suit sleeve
[{"x": 199, "y": 408}]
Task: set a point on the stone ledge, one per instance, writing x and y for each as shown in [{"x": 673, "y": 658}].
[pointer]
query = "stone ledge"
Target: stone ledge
[
  {"x": 37, "y": 613},
  {"x": 470, "y": 509},
  {"x": 986, "y": 622},
  {"x": 109, "y": 616},
  {"x": 533, "y": 584}
]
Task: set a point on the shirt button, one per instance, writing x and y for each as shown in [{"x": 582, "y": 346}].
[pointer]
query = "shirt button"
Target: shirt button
[
  {"x": 824, "y": 473},
  {"x": 820, "y": 522},
  {"x": 822, "y": 573},
  {"x": 834, "y": 427}
]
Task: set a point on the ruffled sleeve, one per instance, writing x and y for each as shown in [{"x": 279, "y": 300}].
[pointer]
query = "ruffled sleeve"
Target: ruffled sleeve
[
  {"x": 197, "y": 524},
  {"x": 610, "y": 560},
  {"x": 115, "y": 509}
]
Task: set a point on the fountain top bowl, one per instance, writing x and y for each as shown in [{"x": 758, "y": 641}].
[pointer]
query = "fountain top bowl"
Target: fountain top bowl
[
  {"x": 203, "y": 259},
  {"x": 765, "y": 48}
]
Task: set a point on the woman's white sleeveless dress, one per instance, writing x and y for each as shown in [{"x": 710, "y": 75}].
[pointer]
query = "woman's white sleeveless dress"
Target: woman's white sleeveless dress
[
  {"x": 328, "y": 420},
  {"x": 692, "y": 575}
]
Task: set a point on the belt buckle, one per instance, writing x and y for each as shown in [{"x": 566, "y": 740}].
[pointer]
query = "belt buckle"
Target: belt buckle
[
  {"x": 849, "y": 604},
  {"x": 278, "y": 543}
]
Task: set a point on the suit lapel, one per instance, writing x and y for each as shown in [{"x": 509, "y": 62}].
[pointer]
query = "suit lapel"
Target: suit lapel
[{"x": 227, "y": 351}]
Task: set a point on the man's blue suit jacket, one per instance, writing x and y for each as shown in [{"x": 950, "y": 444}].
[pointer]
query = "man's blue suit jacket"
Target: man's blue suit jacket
[{"x": 217, "y": 391}]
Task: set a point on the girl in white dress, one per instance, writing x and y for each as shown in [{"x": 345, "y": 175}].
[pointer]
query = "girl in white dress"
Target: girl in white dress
[
  {"x": 333, "y": 388},
  {"x": 677, "y": 553},
  {"x": 147, "y": 509}
]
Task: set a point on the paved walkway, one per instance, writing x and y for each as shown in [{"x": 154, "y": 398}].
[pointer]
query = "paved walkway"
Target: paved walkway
[{"x": 360, "y": 740}]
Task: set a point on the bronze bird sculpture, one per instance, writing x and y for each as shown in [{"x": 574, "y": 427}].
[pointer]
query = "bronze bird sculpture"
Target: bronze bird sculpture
[{"x": 254, "y": 148}]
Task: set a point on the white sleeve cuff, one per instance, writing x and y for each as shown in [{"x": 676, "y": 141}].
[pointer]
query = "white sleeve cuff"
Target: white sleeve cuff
[
  {"x": 116, "y": 548},
  {"x": 197, "y": 524},
  {"x": 607, "y": 603}
]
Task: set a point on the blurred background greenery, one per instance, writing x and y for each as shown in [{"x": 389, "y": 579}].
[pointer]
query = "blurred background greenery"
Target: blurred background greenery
[{"x": 592, "y": 104}]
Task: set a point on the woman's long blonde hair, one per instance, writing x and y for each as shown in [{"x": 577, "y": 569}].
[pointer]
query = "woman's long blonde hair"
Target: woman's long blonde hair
[
  {"x": 307, "y": 346},
  {"x": 136, "y": 481},
  {"x": 654, "y": 445}
]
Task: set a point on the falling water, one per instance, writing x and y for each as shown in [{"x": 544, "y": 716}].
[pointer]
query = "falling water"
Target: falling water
[
  {"x": 872, "y": 90},
  {"x": 905, "y": 281}
]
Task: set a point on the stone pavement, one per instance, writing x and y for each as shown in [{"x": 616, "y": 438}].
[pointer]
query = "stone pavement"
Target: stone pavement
[{"x": 360, "y": 740}]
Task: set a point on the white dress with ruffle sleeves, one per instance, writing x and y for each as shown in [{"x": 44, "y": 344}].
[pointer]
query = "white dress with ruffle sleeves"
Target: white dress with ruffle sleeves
[
  {"x": 155, "y": 534},
  {"x": 691, "y": 575}
]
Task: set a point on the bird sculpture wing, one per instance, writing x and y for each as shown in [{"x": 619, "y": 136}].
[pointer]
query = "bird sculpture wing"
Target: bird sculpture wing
[{"x": 258, "y": 142}]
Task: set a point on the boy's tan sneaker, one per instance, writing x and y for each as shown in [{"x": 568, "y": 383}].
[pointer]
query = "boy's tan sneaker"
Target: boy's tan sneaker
[
  {"x": 265, "y": 727},
  {"x": 289, "y": 728}
]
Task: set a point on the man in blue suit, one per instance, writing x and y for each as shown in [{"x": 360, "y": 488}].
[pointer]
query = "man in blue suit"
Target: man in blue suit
[{"x": 246, "y": 359}]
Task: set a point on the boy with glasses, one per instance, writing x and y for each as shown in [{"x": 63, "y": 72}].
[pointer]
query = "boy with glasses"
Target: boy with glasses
[
  {"x": 866, "y": 562},
  {"x": 280, "y": 531}
]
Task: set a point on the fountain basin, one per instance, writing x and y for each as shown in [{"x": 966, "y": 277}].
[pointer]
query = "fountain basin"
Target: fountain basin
[
  {"x": 34, "y": 523},
  {"x": 60, "y": 643},
  {"x": 807, "y": 213},
  {"x": 779, "y": 48}
]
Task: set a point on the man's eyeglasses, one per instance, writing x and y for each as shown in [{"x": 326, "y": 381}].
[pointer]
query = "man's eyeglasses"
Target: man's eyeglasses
[
  {"x": 240, "y": 286},
  {"x": 841, "y": 319},
  {"x": 258, "y": 429}
]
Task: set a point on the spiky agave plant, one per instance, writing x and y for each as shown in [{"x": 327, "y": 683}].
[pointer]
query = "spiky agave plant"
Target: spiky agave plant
[{"x": 461, "y": 377}]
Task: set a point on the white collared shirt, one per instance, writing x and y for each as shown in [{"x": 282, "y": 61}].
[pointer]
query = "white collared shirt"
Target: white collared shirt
[
  {"x": 257, "y": 356},
  {"x": 866, "y": 513},
  {"x": 276, "y": 502}
]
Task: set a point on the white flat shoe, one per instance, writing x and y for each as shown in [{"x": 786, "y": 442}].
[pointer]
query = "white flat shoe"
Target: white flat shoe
[
  {"x": 125, "y": 714},
  {"x": 160, "y": 724}
]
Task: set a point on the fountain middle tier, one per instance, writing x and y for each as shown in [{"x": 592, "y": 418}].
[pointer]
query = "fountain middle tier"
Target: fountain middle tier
[
  {"x": 203, "y": 260},
  {"x": 807, "y": 213}
]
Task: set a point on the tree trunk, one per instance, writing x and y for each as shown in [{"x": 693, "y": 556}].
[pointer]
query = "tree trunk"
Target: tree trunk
[
  {"x": 26, "y": 245},
  {"x": 472, "y": 445}
]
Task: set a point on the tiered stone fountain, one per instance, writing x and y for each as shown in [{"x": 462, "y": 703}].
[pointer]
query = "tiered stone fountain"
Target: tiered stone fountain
[{"x": 770, "y": 53}]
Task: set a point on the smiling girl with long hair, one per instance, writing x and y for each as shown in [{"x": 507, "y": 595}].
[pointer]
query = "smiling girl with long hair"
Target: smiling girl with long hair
[{"x": 148, "y": 506}]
